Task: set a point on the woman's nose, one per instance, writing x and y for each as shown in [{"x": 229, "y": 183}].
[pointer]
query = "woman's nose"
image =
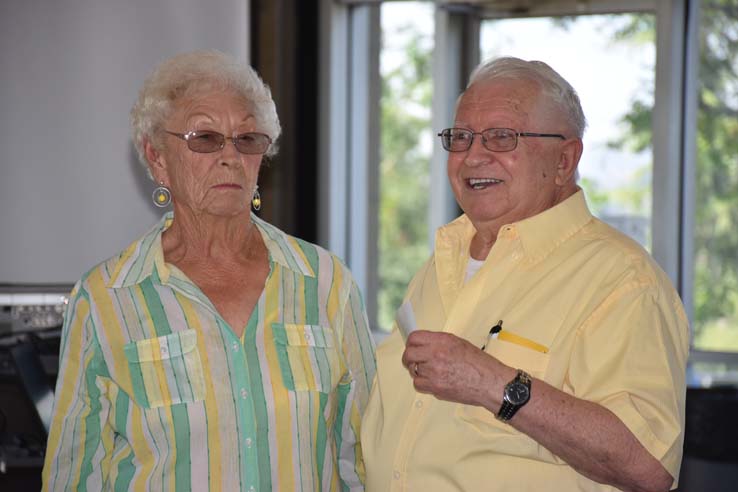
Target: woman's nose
[{"x": 229, "y": 154}]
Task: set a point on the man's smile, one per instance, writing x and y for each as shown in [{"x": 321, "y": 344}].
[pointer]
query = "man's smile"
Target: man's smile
[{"x": 481, "y": 183}]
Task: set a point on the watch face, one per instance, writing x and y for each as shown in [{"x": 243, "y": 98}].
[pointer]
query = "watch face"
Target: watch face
[{"x": 517, "y": 393}]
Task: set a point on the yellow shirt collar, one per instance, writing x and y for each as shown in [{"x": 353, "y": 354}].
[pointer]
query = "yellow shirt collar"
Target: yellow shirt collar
[{"x": 538, "y": 234}]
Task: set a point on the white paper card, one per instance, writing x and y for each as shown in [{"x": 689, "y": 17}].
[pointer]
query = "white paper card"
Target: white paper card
[{"x": 406, "y": 319}]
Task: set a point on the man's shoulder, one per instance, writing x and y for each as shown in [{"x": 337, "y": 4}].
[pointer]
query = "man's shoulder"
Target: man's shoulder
[{"x": 619, "y": 253}]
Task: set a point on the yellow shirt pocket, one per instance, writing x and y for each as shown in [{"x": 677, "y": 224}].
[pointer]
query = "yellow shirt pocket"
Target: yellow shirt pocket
[
  {"x": 530, "y": 357},
  {"x": 307, "y": 357},
  {"x": 166, "y": 370}
]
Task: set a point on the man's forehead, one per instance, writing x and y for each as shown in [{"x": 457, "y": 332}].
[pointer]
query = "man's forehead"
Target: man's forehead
[
  {"x": 506, "y": 91},
  {"x": 489, "y": 100},
  {"x": 507, "y": 96}
]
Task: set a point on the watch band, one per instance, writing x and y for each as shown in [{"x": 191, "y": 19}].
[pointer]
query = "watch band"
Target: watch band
[{"x": 508, "y": 408}]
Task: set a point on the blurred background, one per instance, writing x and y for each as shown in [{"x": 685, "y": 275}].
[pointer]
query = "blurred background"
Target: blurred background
[{"x": 362, "y": 87}]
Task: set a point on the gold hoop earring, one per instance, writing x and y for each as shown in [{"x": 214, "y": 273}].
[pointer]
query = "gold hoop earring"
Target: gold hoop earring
[
  {"x": 256, "y": 199},
  {"x": 161, "y": 196}
]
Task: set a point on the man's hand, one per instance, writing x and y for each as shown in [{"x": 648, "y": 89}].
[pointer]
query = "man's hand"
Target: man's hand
[{"x": 450, "y": 368}]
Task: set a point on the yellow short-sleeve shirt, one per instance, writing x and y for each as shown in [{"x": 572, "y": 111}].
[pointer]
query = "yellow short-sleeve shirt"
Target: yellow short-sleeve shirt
[{"x": 584, "y": 308}]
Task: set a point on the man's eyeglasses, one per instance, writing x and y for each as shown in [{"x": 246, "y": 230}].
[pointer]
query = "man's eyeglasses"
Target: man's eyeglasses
[
  {"x": 494, "y": 139},
  {"x": 206, "y": 141}
]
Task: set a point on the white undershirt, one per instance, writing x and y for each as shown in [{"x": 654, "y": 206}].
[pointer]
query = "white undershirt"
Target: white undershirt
[{"x": 472, "y": 267}]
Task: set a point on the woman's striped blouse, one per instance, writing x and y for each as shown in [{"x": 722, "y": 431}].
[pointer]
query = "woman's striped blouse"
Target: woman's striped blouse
[{"x": 156, "y": 393}]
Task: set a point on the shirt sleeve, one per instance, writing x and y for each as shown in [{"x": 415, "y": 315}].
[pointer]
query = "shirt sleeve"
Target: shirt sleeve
[
  {"x": 80, "y": 440},
  {"x": 630, "y": 357},
  {"x": 353, "y": 392}
]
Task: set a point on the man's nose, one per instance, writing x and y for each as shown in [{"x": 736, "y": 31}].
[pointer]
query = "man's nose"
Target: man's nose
[{"x": 477, "y": 154}]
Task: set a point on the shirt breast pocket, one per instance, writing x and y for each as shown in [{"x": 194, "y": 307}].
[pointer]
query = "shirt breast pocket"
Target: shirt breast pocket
[
  {"x": 517, "y": 356},
  {"x": 307, "y": 357},
  {"x": 166, "y": 370}
]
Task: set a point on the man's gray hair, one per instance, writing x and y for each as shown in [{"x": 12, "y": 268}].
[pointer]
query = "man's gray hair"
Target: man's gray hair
[
  {"x": 193, "y": 73},
  {"x": 553, "y": 86}
]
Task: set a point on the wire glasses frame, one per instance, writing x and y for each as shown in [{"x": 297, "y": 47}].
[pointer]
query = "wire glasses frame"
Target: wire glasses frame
[
  {"x": 206, "y": 141},
  {"x": 494, "y": 139}
]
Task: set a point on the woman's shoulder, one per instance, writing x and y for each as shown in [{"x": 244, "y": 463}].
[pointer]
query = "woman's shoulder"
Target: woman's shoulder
[
  {"x": 297, "y": 252},
  {"x": 126, "y": 266}
]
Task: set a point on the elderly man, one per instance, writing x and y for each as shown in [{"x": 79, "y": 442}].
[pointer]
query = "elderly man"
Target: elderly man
[{"x": 551, "y": 352}]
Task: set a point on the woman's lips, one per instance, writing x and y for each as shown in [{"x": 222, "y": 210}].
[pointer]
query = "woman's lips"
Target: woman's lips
[{"x": 231, "y": 186}]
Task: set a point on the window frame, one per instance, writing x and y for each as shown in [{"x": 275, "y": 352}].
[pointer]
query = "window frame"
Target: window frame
[
  {"x": 349, "y": 139},
  {"x": 350, "y": 29}
]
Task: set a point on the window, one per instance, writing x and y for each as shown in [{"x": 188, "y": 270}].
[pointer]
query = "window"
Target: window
[
  {"x": 406, "y": 143},
  {"x": 715, "y": 232},
  {"x": 660, "y": 154},
  {"x": 613, "y": 73}
]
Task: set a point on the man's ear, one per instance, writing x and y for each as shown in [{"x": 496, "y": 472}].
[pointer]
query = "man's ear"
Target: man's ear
[
  {"x": 571, "y": 152},
  {"x": 156, "y": 162}
]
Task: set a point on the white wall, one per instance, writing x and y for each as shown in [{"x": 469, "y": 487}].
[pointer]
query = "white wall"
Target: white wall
[{"x": 71, "y": 190}]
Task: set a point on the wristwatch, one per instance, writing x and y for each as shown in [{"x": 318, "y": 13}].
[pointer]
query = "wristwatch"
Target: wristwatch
[{"x": 517, "y": 394}]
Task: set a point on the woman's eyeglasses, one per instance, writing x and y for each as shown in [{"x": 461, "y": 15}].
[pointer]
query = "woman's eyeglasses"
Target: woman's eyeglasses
[{"x": 206, "y": 141}]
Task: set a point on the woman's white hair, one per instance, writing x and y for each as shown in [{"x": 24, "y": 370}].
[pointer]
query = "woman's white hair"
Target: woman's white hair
[
  {"x": 553, "y": 86},
  {"x": 190, "y": 74}
]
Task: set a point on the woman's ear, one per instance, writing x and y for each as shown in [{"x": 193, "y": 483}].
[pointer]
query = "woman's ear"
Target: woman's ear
[
  {"x": 571, "y": 152},
  {"x": 156, "y": 162}
]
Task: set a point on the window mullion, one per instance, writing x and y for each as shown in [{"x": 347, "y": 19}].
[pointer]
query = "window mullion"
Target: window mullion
[
  {"x": 453, "y": 58},
  {"x": 333, "y": 121},
  {"x": 363, "y": 163},
  {"x": 667, "y": 136},
  {"x": 691, "y": 93}
]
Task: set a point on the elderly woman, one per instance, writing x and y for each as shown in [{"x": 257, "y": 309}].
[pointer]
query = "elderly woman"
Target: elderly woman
[{"x": 216, "y": 352}]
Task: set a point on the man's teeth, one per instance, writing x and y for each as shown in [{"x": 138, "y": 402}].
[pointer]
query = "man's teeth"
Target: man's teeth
[{"x": 482, "y": 182}]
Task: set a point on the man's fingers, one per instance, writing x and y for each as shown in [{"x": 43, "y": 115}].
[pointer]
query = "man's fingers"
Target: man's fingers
[
  {"x": 419, "y": 354},
  {"x": 410, "y": 357},
  {"x": 421, "y": 338},
  {"x": 405, "y": 361},
  {"x": 416, "y": 338}
]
